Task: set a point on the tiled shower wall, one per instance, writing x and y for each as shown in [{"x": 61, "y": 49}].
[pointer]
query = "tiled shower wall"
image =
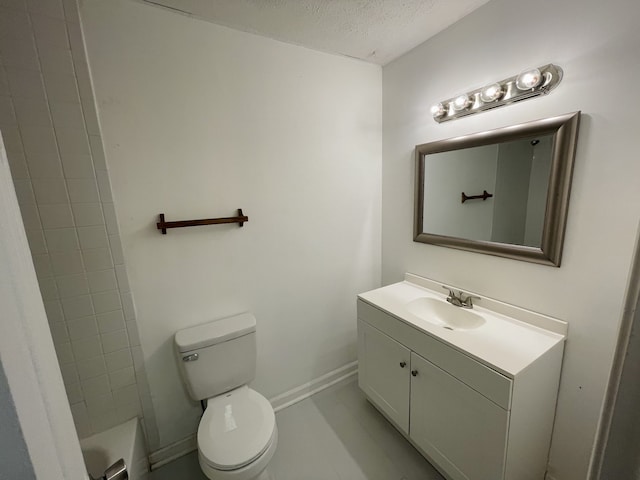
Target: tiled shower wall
[{"x": 50, "y": 128}]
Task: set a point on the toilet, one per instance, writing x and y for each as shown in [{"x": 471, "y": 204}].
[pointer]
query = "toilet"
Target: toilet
[{"x": 237, "y": 435}]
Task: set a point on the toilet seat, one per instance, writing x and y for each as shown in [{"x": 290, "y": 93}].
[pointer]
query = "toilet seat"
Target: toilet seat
[{"x": 237, "y": 427}]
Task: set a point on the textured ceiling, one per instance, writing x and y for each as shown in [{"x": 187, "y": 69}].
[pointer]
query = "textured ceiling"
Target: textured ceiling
[{"x": 376, "y": 31}]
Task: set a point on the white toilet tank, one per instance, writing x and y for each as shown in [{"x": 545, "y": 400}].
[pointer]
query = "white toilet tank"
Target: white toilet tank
[{"x": 218, "y": 356}]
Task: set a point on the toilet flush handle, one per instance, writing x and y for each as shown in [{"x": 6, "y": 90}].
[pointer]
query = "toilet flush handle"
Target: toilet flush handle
[{"x": 190, "y": 358}]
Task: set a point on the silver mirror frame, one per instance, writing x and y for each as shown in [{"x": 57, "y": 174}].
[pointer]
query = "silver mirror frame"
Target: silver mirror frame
[{"x": 564, "y": 129}]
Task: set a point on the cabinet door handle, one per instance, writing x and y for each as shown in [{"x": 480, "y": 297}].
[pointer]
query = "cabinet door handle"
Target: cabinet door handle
[
  {"x": 414, "y": 373},
  {"x": 403, "y": 364}
]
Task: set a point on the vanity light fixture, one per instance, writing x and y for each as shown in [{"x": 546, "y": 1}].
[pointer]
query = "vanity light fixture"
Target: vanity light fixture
[
  {"x": 528, "y": 84},
  {"x": 491, "y": 93},
  {"x": 438, "y": 110},
  {"x": 461, "y": 102},
  {"x": 529, "y": 79}
]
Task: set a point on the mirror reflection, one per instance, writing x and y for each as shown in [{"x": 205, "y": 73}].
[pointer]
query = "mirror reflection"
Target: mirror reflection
[
  {"x": 492, "y": 193},
  {"x": 503, "y": 192}
]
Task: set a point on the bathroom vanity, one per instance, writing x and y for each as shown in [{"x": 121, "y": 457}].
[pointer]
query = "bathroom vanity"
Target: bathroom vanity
[{"x": 473, "y": 389}]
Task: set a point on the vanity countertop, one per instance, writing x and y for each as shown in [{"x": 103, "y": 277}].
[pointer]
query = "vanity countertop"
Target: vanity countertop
[{"x": 511, "y": 339}]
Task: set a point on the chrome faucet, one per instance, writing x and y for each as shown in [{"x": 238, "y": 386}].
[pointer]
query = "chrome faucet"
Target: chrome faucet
[{"x": 462, "y": 299}]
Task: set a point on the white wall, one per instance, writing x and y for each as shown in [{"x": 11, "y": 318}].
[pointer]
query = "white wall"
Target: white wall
[
  {"x": 596, "y": 44},
  {"x": 199, "y": 120}
]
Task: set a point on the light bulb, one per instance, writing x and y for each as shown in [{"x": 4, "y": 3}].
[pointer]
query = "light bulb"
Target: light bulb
[
  {"x": 438, "y": 110},
  {"x": 461, "y": 102},
  {"x": 529, "y": 79},
  {"x": 491, "y": 93}
]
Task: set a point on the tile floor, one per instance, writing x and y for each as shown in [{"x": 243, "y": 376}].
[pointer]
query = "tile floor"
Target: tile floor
[{"x": 333, "y": 435}]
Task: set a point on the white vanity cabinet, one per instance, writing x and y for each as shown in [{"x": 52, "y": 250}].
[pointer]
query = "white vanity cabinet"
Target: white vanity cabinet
[
  {"x": 385, "y": 379},
  {"x": 457, "y": 427},
  {"x": 472, "y": 419}
]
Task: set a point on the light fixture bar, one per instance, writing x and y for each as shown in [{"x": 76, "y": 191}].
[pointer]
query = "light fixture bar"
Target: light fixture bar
[{"x": 528, "y": 84}]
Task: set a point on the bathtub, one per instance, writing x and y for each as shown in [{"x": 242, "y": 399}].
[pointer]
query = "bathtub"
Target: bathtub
[{"x": 124, "y": 441}]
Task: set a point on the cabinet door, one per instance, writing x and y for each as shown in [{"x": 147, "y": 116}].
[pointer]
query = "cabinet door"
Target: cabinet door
[
  {"x": 462, "y": 431},
  {"x": 383, "y": 373}
]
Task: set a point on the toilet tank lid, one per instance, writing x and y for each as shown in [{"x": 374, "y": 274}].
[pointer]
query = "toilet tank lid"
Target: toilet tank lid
[{"x": 218, "y": 331}]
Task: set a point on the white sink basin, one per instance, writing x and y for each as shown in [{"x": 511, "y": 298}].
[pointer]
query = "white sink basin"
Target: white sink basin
[{"x": 443, "y": 314}]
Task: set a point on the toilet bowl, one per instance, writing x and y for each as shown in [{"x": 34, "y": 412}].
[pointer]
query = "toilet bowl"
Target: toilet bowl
[{"x": 237, "y": 434}]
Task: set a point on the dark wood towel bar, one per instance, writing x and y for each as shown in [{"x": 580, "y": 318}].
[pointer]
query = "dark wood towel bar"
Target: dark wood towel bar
[{"x": 239, "y": 219}]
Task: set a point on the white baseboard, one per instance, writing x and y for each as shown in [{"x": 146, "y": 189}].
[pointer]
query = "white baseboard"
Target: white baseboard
[
  {"x": 298, "y": 394},
  {"x": 171, "y": 452},
  {"x": 187, "y": 445}
]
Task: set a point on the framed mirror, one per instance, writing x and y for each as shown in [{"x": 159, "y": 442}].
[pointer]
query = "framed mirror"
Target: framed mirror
[{"x": 502, "y": 192}]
